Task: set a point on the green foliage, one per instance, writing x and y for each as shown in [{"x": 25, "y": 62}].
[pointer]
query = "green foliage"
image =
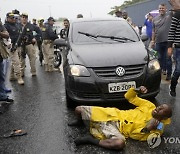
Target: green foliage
[
  {"x": 124, "y": 5},
  {"x": 61, "y": 19},
  {"x": 130, "y": 2}
]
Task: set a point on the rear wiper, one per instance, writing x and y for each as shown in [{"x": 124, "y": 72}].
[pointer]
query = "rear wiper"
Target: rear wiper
[
  {"x": 116, "y": 38},
  {"x": 87, "y": 34}
]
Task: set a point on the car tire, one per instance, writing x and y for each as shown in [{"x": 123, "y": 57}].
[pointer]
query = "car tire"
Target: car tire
[
  {"x": 69, "y": 102},
  {"x": 57, "y": 59}
]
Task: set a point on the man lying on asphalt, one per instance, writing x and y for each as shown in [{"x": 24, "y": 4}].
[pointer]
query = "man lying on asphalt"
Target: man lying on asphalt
[{"x": 110, "y": 126}]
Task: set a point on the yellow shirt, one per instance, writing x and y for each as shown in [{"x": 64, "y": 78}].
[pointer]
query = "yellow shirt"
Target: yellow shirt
[{"x": 131, "y": 121}]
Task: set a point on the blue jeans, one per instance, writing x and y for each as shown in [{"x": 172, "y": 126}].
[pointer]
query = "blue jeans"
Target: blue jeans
[
  {"x": 176, "y": 72},
  {"x": 3, "y": 94},
  {"x": 164, "y": 60},
  {"x": 169, "y": 66}
]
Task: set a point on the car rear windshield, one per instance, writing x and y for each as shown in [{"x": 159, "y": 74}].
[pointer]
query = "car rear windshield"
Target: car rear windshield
[{"x": 103, "y": 31}]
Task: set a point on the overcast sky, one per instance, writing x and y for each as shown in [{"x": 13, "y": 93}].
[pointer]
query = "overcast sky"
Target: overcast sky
[{"x": 59, "y": 8}]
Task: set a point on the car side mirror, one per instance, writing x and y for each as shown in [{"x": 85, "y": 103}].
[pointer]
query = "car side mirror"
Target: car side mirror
[
  {"x": 144, "y": 38},
  {"x": 60, "y": 43}
]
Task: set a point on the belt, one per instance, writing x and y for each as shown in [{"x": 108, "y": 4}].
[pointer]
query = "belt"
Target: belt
[
  {"x": 28, "y": 43},
  {"x": 48, "y": 41},
  {"x": 177, "y": 45}
]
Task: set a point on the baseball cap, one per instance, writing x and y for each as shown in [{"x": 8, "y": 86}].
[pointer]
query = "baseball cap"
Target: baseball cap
[
  {"x": 51, "y": 18},
  {"x": 24, "y": 14},
  {"x": 15, "y": 11},
  {"x": 41, "y": 19},
  {"x": 10, "y": 15}
]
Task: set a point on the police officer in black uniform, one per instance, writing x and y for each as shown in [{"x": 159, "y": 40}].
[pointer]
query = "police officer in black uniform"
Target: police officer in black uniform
[
  {"x": 27, "y": 42},
  {"x": 49, "y": 35},
  {"x": 38, "y": 35},
  {"x": 14, "y": 32}
]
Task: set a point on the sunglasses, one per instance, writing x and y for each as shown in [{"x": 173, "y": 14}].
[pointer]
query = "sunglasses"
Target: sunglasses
[{"x": 24, "y": 17}]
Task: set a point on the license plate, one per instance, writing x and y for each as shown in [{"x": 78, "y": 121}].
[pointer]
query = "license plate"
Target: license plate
[{"x": 121, "y": 86}]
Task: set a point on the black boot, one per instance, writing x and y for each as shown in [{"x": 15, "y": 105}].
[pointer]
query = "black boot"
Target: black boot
[
  {"x": 173, "y": 87},
  {"x": 88, "y": 139},
  {"x": 76, "y": 122}
]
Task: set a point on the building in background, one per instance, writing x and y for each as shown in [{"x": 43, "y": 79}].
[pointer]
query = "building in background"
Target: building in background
[{"x": 138, "y": 11}]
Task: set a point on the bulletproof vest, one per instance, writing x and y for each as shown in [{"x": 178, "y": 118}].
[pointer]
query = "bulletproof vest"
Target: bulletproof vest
[
  {"x": 37, "y": 32},
  {"x": 43, "y": 30},
  {"x": 49, "y": 33},
  {"x": 13, "y": 31},
  {"x": 27, "y": 33}
]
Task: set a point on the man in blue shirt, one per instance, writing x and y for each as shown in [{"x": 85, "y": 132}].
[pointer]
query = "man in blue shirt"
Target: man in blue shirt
[{"x": 149, "y": 25}]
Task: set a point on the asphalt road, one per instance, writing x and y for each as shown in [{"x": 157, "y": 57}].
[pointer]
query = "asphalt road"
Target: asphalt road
[{"x": 40, "y": 109}]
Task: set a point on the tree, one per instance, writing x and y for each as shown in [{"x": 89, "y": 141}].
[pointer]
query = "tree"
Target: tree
[
  {"x": 124, "y": 5},
  {"x": 130, "y": 2}
]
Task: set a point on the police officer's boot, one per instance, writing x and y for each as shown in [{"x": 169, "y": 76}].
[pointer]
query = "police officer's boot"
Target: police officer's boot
[
  {"x": 46, "y": 67},
  {"x": 33, "y": 73},
  {"x": 20, "y": 80},
  {"x": 12, "y": 77},
  {"x": 50, "y": 68},
  {"x": 22, "y": 73}
]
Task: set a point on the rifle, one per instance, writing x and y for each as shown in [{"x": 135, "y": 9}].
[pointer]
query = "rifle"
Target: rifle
[
  {"x": 18, "y": 41},
  {"x": 23, "y": 51}
]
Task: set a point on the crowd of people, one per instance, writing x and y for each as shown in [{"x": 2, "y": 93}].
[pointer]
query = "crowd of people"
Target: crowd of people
[
  {"x": 19, "y": 38},
  {"x": 109, "y": 126},
  {"x": 157, "y": 29}
]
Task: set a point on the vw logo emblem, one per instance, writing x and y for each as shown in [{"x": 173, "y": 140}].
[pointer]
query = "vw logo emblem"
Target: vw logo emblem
[{"x": 120, "y": 71}]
